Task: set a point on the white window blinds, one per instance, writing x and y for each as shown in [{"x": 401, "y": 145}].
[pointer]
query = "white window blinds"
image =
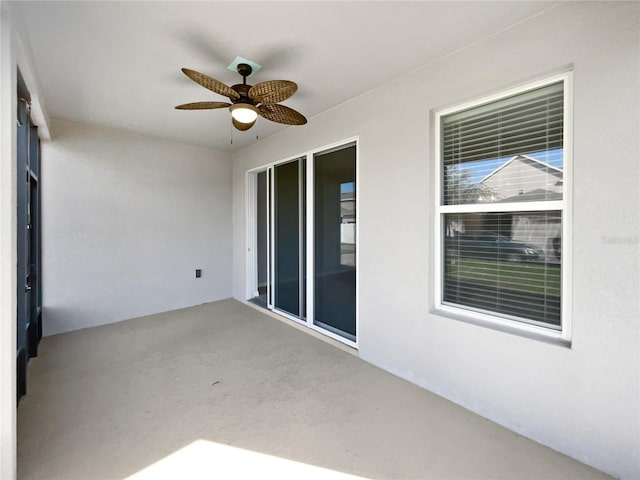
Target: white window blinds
[{"x": 520, "y": 124}]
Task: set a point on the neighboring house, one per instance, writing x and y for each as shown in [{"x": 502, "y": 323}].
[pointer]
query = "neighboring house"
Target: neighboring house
[
  {"x": 542, "y": 182},
  {"x": 347, "y": 228},
  {"x": 505, "y": 183},
  {"x": 347, "y": 207}
]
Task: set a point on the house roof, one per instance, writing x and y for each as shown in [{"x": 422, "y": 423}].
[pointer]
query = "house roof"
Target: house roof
[{"x": 534, "y": 162}]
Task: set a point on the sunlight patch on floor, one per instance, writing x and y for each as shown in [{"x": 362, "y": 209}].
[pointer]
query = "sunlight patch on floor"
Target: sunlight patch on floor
[{"x": 205, "y": 459}]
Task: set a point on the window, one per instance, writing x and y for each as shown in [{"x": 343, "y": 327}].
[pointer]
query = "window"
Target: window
[{"x": 503, "y": 206}]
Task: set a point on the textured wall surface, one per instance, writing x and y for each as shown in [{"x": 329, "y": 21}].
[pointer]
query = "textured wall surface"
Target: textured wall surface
[
  {"x": 583, "y": 400},
  {"x": 8, "y": 256},
  {"x": 126, "y": 221}
]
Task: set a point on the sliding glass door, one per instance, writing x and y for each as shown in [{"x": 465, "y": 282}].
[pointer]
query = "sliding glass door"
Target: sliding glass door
[
  {"x": 288, "y": 237},
  {"x": 302, "y": 240},
  {"x": 334, "y": 194},
  {"x": 260, "y": 289}
]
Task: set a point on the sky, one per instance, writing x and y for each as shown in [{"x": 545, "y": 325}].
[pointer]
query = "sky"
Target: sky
[
  {"x": 346, "y": 187},
  {"x": 481, "y": 168}
]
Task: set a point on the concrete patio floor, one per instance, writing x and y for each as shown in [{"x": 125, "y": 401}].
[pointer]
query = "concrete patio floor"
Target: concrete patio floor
[{"x": 223, "y": 390}]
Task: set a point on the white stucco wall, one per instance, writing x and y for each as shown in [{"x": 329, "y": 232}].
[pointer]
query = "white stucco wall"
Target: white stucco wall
[
  {"x": 7, "y": 246},
  {"x": 582, "y": 401},
  {"x": 126, "y": 221}
]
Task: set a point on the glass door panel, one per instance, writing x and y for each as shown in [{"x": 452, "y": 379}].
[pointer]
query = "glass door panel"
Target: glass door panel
[
  {"x": 335, "y": 241},
  {"x": 262, "y": 239},
  {"x": 288, "y": 218}
]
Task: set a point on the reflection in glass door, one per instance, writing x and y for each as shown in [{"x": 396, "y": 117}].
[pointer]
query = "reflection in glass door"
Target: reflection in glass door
[{"x": 334, "y": 200}]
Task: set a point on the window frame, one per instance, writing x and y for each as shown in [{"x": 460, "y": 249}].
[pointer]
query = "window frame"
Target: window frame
[{"x": 483, "y": 317}]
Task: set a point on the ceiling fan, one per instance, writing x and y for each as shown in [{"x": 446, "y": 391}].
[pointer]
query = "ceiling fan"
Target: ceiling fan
[{"x": 247, "y": 102}]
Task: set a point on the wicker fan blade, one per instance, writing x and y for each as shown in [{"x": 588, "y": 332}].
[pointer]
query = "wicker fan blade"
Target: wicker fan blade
[
  {"x": 273, "y": 91},
  {"x": 202, "y": 105},
  {"x": 281, "y": 114},
  {"x": 242, "y": 126},
  {"x": 211, "y": 83}
]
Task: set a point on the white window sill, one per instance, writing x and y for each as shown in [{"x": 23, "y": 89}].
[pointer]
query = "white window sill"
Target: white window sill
[{"x": 554, "y": 337}]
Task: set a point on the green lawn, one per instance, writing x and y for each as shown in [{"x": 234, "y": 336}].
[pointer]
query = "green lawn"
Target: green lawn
[
  {"x": 537, "y": 278},
  {"x": 347, "y": 248}
]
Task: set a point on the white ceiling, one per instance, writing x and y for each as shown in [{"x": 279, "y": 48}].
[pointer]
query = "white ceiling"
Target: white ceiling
[{"x": 118, "y": 64}]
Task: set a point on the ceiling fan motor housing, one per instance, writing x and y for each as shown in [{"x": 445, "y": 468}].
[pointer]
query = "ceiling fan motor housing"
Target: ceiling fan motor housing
[
  {"x": 245, "y": 70},
  {"x": 243, "y": 91}
]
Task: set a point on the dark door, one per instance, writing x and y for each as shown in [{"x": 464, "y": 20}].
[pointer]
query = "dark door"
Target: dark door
[
  {"x": 23, "y": 246},
  {"x": 28, "y": 270}
]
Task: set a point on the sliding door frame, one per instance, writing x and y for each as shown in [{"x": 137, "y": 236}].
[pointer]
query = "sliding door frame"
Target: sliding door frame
[
  {"x": 251, "y": 229},
  {"x": 307, "y": 303},
  {"x": 346, "y": 143},
  {"x": 271, "y": 228}
]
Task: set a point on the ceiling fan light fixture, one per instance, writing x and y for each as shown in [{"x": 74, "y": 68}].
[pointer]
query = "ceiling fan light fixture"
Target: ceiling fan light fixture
[{"x": 244, "y": 112}]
